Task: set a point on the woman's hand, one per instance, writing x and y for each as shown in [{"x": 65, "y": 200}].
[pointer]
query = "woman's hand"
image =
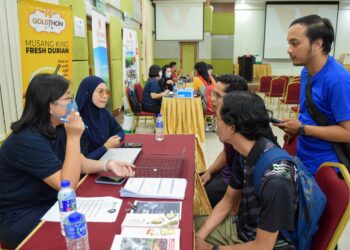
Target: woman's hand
[
  {"x": 202, "y": 244},
  {"x": 112, "y": 142},
  {"x": 121, "y": 168},
  {"x": 74, "y": 125},
  {"x": 170, "y": 82},
  {"x": 166, "y": 92}
]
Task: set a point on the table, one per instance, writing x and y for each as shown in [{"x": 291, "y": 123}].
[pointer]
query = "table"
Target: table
[
  {"x": 48, "y": 234},
  {"x": 260, "y": 70},
  {"x": 183, "y": 116}
]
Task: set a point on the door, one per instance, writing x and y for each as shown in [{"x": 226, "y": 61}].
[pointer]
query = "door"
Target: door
[{"x": 188, "y": 57}]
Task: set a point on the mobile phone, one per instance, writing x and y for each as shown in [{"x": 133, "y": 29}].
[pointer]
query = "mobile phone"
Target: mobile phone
[
  {"x": 274, "y": 120},
  {"x": 132, "y": 145},
  {"x": 111, "y": 180}
]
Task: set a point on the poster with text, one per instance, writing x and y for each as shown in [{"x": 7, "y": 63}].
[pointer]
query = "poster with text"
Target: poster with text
[
  {"x": 130, "y": 57},
  {"x": 99, "y": 42},
  {"x": 45, "y": 39}
]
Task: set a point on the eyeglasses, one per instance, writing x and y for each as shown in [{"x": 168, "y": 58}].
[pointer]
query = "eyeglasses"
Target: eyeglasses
[
  {"x": 103, "y": 92},
  {"x": 66, "y": 98}
]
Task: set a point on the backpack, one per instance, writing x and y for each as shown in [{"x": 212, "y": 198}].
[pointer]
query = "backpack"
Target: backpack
[
  {"x": 206, "y": 101},
  {"x": 311, "y": 203},
  {"x": 134, "y": 101}
]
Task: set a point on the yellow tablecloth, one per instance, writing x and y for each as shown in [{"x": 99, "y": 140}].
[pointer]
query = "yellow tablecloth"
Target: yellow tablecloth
[
  {"x": 183, "y": 116},
  {"x": 347, "y": 66},
  {"x": 260, "y": 70}
]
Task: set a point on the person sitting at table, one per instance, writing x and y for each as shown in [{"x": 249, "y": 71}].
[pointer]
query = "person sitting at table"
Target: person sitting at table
[
  {"x": 203, "y": 83},
  {"x": 165, "y": 81},
  {"x": 243, "y": 122},
  {"x": 175, "y": 76},
  {"x": 217, "y": 176},
  {"x": 152, "y": 93},
  {"x": 104, "y": 131},
  {"x": 30, "y": 170}
]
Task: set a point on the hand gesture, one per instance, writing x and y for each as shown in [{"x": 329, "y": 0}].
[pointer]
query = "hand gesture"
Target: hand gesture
[
  {"x": 112, "y": 142},
  {"x": 289, "y": 126},
  {"x": 121, "y": 168},
  {"x": 202, "y": 244},
  {"x": 166, "y": 92},
  {"x": 74, "y": 125}
]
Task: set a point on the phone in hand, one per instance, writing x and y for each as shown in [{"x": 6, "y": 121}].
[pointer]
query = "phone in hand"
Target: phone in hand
[
  {"x": 274, "y": 120},
  {"x": 132, "y": 145},
  {"x": 111, "y": 180}
]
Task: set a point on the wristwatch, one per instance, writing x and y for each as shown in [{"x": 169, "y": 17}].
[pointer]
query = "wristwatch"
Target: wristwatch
[
  {"x": 215, "y": 247},
  {"x": 301, "y": 130}
]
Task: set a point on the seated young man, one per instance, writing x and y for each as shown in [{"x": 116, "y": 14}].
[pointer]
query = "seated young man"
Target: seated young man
[
  {"x": 217, "y": 177},
  {"x": 242, "y": 122}
]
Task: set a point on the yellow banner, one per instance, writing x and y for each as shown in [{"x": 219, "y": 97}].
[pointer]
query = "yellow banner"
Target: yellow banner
[{"x": 46, "y": 34}]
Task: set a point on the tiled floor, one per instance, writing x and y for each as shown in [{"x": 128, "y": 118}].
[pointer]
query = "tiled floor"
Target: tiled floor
[{"x": 212, "y": 146}]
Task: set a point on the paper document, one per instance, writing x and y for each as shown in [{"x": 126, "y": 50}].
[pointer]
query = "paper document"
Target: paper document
[
  {"x": 122, "y": 154},
  {"x": 163, "y": 188},
  {"x": 95, "y": 209}
]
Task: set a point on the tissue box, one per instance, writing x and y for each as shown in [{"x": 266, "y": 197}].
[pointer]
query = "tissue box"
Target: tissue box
[{"x": 185, "y": 93}]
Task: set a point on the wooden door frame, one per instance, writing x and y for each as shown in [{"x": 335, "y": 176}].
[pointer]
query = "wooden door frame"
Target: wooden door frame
[{"x": 195, "y": 51}]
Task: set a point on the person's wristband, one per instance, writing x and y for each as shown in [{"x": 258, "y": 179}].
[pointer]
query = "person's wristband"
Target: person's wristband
[
  {"x": 215, "y": 247},
  {"x": 104, "y": 165}
]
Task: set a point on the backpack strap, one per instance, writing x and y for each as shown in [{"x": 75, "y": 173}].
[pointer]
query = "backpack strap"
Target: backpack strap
[{"x": 266, "y": 160}]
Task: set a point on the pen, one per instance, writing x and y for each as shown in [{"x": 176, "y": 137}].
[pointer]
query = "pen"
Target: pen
[{"x": 65, "y": 121}]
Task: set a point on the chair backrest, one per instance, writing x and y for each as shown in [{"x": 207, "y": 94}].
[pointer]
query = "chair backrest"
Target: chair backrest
[
  {"x": 139, "y": 90},
  {"x": 290, "y": 144},
  {"x": 133, "y": 101},
  {"x": 293, "y": 93},
  {"x": 337, "y": 211},
  {"x": 285, "y": 78},
  {"x": 277, "y": 86},
  {"x": 265, "y": 82}
]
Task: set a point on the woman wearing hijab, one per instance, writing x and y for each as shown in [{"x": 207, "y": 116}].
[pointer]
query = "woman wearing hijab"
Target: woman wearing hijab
[{"x": 103, "y": 131}]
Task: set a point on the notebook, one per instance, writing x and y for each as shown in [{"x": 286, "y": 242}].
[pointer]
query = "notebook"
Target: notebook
[{"x": 121, "y": 154}]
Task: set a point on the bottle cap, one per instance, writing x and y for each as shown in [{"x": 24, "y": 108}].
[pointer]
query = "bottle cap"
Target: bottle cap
[
  {"x": 75, "y": 217},
  {"x": 65, "y": 183},
  {"x": 159, "y": 115}
]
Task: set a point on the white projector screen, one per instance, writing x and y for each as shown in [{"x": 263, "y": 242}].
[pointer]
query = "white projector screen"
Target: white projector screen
[
  {"x": 278, "y": 18},
  {"x": 179, "y": 21}
]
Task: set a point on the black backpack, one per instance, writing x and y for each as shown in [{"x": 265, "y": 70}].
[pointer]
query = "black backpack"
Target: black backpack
[{"x": 134, "y": 101}]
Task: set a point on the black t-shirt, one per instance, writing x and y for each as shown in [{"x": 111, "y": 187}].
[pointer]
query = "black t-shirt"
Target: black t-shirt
[
  {"x": 274, "y": 208},
  {"x": 26, "y": 159}
]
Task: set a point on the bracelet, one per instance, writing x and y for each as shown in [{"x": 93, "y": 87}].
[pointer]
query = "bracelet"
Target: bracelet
[
  {"x": 104, "y": 165},
  {"x": 215, "y": 247}
]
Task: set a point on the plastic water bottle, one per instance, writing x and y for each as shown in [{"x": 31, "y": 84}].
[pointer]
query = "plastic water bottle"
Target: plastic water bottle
[
  {"x": 66, "y": 202},
  {"x": 159, "y": 128},
  {"x": 76, "y": 232},
  {"x": 175, "y": 91},
  {"x": 181, "y": 84}
]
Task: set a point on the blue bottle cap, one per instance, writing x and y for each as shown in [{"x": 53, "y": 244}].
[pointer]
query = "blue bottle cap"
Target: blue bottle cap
[
  {"x": 65, "y": 183},
  {"x": 75, "y": 217}
]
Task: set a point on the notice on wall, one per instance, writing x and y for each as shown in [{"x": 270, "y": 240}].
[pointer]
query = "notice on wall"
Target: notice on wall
[
  {"x": 45, "y": 39},
  {"x": 130, "y": 57}
]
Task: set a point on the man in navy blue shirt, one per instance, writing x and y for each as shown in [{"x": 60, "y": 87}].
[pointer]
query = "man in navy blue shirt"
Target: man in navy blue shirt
[{"x": 310, "y": 39}]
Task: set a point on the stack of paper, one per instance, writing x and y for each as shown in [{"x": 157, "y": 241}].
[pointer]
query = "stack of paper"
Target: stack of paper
[{"x": 161, "y": 188}]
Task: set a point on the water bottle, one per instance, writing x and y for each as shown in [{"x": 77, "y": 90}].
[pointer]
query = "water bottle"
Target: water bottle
[
  {"x": 175, "y": 90},
  {"x": 66, "y": 202},
  {"x": 159, "y": 128},
  {"x": 181, "y": 84},
  {"x": 76, "y": 232}
]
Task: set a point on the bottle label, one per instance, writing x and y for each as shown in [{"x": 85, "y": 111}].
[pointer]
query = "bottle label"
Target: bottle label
[
  {"x": 67, "y": 205},
  {"x": 76, "y": 230},
  {"x": 159, "y": 124}
]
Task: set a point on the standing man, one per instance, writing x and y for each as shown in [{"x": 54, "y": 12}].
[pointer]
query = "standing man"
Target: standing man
[{"x": 310, "y": 40}]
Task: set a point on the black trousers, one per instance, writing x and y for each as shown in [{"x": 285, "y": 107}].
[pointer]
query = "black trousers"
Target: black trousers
[
  {"x": 151, "y": 108},
  {"x": 215, "y": 188}
]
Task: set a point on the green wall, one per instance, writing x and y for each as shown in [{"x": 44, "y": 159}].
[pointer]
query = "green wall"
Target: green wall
[
  {"x": 126, "y": 6},
  {"x": 162, "y": 62},
  {"x": 222, "y": 66},
  {"x": 80, "y": 45},
  {"x": 208, "y": 18},
  {"x": 223, "y": 23}
]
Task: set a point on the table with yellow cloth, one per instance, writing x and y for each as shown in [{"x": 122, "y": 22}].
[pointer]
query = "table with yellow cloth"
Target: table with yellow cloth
[
  {"x": 183, "y": 116},
  {"x": 260, "y": 70},
  {"x": 347, "y": 66}
]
